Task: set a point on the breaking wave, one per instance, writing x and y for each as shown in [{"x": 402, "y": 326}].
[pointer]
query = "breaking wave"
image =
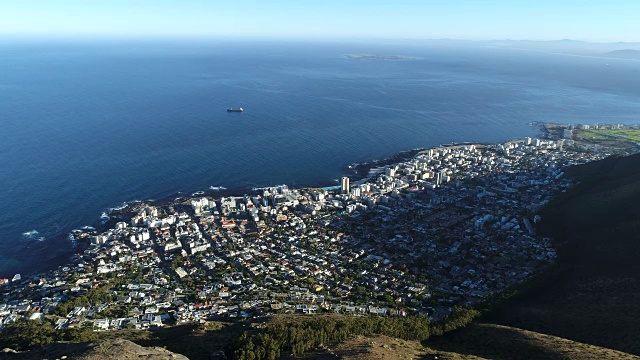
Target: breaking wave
[{"x": 33, "y": 235}]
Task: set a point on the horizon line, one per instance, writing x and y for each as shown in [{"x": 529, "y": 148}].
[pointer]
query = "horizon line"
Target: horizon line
[{"x": 107, "y": 36}]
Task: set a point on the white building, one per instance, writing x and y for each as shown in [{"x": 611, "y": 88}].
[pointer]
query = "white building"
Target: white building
[{"x": 344, "y": 189}]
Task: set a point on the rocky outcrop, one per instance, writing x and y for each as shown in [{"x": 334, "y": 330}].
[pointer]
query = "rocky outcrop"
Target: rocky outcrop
[{"x": 108, "y": 349}]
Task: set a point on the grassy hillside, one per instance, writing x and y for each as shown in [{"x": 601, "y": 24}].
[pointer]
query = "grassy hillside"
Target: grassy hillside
[
  {"x": 106, "y": 349},
  {"x": 506, "y": 343},
  {"x": 474, "y": 342},
  {"x": 380, "y": 347},
  {"x": 594, "y": 294}
]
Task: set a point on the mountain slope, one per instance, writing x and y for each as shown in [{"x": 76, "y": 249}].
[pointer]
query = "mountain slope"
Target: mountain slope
[
  {"x": 474, "y": 342},
  {"x": 593, "y": 296},
  {"x": 381, "y": 347},
  {"x": 501, "y": 342}
]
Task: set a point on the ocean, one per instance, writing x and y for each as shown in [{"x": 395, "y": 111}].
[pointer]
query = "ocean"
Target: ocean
[{"x": 87, "y": 126}]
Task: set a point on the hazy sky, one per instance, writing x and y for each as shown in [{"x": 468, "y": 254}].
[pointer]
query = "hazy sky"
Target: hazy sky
[{"x": 596, "y": 20}]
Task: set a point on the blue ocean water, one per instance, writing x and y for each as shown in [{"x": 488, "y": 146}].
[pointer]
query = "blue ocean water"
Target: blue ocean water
[{"x": 85, "y": 127}]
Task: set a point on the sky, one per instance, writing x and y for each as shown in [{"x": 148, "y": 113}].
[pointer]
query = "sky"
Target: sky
[{"x": 589, "y": 20}]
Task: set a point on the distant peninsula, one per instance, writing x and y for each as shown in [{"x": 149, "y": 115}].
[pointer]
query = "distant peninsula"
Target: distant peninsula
[
  {"x": 379, "y": 57},
  {"x": 624, "y": 54}
]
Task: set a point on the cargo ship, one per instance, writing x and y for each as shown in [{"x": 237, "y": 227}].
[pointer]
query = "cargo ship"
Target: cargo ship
[{"x": 235, "y": 110}]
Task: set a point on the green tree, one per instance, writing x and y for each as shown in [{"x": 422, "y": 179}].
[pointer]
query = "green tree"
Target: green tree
[
  {"x": 25, "y": 334},
  {"x": 78, "y": 334}
]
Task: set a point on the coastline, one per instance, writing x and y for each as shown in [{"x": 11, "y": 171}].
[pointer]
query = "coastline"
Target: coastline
[
  {"x": 219, "y": 249},
  {"x": 357, "y": 172},
  {"x": 420, "y": 116},
  {"x": 116, "y": 213}
]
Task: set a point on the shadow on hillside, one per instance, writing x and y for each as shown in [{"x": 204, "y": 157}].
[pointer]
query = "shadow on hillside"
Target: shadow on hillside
[
  {"x": 197, "y": 342},
  {"x": 491, "y": 342},
  {"x": 594, "y": 296}
]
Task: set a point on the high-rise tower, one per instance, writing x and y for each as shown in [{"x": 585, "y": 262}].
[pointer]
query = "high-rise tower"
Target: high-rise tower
[{"x": 344, "y": 189}]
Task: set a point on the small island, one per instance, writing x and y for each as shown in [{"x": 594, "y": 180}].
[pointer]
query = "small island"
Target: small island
[{"x": 379, "y": 57}]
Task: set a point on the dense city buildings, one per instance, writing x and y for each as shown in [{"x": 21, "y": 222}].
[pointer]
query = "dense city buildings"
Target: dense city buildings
[{"x": 451, "y": 226}]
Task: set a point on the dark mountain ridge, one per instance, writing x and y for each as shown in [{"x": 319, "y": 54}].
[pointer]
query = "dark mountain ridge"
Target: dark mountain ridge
[{"x": 593, "y": 294}]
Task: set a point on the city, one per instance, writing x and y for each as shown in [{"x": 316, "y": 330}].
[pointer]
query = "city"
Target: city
[{"x": 452, "y": 226}]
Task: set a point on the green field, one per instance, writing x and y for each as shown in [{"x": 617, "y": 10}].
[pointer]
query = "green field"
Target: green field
[{"x": 621, "y": 134}]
